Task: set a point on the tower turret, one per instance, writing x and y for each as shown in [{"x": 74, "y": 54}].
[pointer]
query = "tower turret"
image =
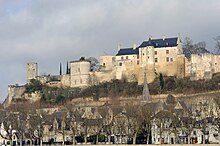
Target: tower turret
[{"x": 32, "y": 71}]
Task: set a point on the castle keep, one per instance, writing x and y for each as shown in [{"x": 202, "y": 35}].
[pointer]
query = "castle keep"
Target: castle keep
[{"x": 163, "y": 55}]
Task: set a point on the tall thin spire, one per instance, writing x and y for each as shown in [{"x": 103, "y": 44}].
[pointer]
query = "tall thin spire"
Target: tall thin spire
[{"x": 146, "y": 93}]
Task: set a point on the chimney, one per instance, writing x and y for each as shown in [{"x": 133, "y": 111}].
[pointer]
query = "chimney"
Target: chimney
[{"x": 164, "y": 37}]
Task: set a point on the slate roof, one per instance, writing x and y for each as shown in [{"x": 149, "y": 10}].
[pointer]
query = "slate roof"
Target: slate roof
[
  {"x": 127, "y": 51},
  {"x": 159, "y": 43},
  {"x": 156, "y": 43}
]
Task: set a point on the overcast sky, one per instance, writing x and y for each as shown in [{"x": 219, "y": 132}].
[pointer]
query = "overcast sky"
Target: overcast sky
[{"x": 52, "y": 31}]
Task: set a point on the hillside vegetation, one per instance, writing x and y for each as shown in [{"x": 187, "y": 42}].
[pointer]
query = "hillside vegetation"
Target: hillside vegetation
[{"x": 123, "y": 88}]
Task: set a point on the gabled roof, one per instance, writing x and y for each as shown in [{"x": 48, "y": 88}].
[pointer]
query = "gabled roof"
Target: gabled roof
[
  {"x": 127, "y": 51},
  {"x": 156, "y": 43},
  {"x": 159, "y": 43}
]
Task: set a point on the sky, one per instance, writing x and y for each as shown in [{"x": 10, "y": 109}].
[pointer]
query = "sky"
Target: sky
[{"x": 52, "y": 31}]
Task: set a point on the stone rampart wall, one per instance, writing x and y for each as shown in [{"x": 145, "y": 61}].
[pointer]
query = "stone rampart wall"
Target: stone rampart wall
[{"x": 149, "y": 145}]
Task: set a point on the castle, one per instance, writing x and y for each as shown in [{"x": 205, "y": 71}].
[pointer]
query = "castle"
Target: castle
[{"x": 163, "y": 55}]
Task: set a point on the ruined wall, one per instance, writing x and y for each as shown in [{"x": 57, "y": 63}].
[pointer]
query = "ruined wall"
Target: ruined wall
[
  {"x": 65, "y": 80},
  {"x": 181, "y": 61},
  {"x": 187, "y": 67},
  {"x": 216, "y": 64},
  {"x": 14, "y": 92},
  {"x": 203, "y": 66}
]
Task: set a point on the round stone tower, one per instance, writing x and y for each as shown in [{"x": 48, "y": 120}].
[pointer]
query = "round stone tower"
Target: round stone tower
[
  {"x": 32, "y": 71},
  {"x": 79, "y": 73}
]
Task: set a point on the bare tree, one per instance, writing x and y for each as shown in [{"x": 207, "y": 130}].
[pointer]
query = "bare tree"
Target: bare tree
[{"x": 217, "y": 45}]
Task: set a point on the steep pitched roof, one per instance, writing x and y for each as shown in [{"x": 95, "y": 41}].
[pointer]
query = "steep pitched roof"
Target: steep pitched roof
[
  {"x": 159, "y": 43},
  {"x": 156, "y": 43},
  {"x": 127, "y": 51}
]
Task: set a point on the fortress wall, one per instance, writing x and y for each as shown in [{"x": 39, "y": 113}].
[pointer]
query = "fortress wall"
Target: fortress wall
[
  {"x": 103, "y": 76},
  {"x": 33, "y": 96},
  {"x": 216, "y": 63},
  {"x": 168, "y": 69},
  {"x": 107, "y": 62},
  {"x": 187, "y": 68},
  {"x": 204, "y": 65},
  {"x": 15, "y": 91},
  {"x": 181, "y": 61},
  {"x": 65, "y": 80},
  {"x": 167, "y": 61},
  {"x": 150, "y": 73}
]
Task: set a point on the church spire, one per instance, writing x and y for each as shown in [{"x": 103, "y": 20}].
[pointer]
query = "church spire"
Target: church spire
[{"x": 146, "y": 93}]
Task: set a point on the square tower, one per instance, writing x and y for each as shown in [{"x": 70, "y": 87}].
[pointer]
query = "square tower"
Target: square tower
[{"x": 32, "y": 71}]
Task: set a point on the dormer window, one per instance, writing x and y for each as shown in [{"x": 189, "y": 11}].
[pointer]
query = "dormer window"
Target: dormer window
[
  {"x": 156, "y": 44},
  {"x": 167, "y": 44}
]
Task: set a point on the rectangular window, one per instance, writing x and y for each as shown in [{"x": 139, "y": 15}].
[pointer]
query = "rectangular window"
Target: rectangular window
[
  {"x": 171, "y": 59},
  {"x": 122, "y": 57},
  {"x": 155, "y": 52},
  {"x": 167, "y": 52},
  {"x": 126, "y": 57},
  {"x": 168, "y": 59},
  {"x": 137, "y": 62},
  {"x": 138, "y": 57},
  {"x": 156, "y": 60},
  {"x": 120, "y": 64}
]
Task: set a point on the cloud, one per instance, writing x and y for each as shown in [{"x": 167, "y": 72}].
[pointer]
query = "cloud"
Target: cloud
[{"x": 49, "y": 32}]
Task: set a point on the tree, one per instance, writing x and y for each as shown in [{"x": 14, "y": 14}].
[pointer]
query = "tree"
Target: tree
[
  {"x": 161, "y": 81},
  {"x": 187, "y": 47},
  {"x": 34, "y": 85},
  {"x": 146, "y": 116},
  {"x": 94, "y": 63},
  {"x": 190, "y": 48},
  {"x": 60, "y": 69},
  {"x": 67, "y": 68},
  {"x": 217, "y": 45},
  {"x": 161, "y": 119}
]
